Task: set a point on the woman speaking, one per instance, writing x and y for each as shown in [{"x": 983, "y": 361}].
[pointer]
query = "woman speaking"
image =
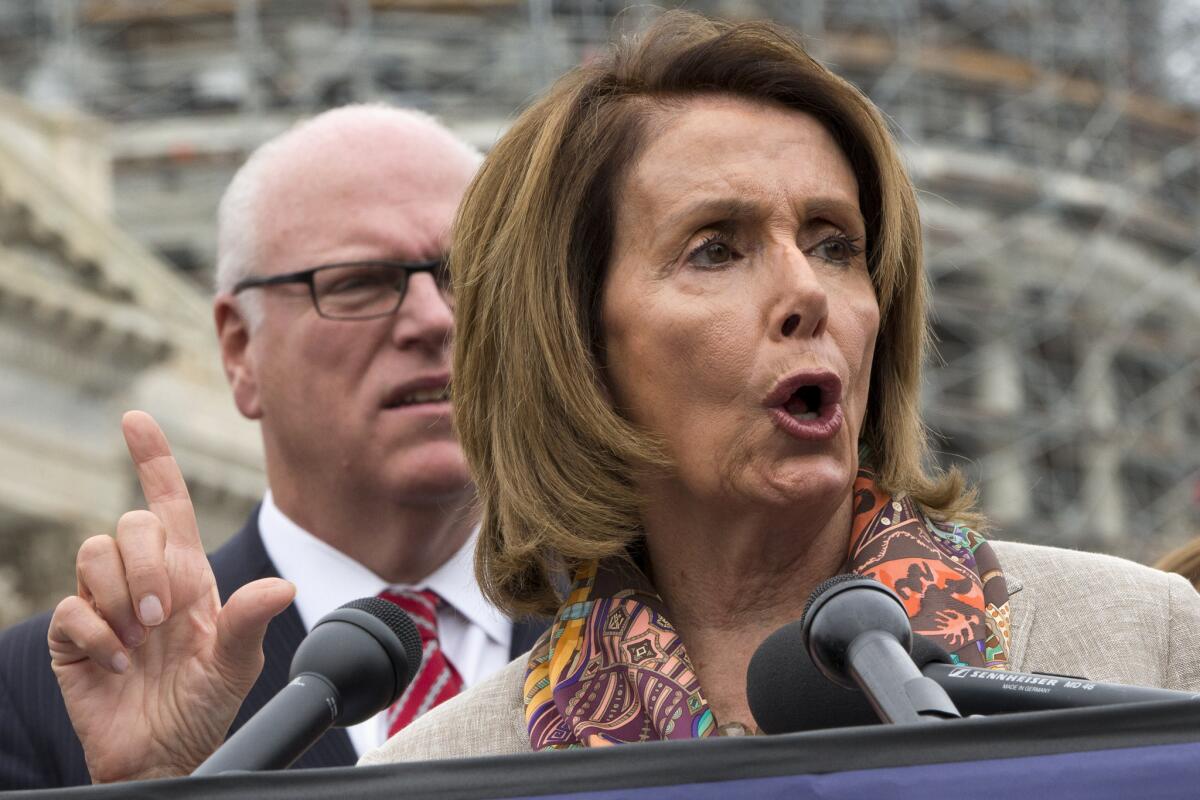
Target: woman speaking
[
  {"x": 691, "y": 321},
  {"x": 691, "y": 318}
]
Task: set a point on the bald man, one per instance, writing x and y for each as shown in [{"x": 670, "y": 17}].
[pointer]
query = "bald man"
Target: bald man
[{"x": 334, "y": 322}]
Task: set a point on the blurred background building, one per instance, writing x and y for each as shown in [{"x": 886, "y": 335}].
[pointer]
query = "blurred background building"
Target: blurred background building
[{"x": 1056, "y": 144}]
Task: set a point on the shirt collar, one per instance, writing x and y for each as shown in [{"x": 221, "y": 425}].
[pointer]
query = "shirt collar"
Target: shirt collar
[
  {"x": 455, "y": 582},
  {"x": 326, "y": 578}
]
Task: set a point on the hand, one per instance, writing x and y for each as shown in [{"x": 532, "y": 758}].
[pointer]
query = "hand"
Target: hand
[{"x": 152, "y": 668}]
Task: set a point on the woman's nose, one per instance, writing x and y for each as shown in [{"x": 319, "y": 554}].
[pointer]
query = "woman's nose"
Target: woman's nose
[{"x": 803, "y": 305}]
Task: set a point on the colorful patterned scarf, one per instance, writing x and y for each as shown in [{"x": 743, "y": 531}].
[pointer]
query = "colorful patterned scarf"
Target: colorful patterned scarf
[{"x": 612, "y": 669}]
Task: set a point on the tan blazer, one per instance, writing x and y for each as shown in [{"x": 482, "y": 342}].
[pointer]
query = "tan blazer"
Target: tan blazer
[{"x": 1073, "y": 613}]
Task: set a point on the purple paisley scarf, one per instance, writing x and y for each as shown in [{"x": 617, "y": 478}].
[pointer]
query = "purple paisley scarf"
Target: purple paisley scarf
[{"x": 612, "y": 669}]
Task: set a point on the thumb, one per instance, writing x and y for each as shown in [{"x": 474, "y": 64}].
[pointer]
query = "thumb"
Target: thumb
[{"x": 242, "y": 624}]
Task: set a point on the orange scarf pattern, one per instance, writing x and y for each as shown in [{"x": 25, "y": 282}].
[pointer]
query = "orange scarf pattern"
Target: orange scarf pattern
[{"x": 612, "y": 669}]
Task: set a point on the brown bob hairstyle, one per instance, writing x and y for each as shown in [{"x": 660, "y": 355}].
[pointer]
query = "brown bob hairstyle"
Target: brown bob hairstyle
[{"x": 554, "y": 463}]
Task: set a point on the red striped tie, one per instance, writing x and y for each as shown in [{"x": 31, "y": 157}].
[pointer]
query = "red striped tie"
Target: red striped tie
[{"x": 437, "y": 680}]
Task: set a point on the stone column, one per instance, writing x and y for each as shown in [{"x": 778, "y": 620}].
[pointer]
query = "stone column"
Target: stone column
[
  {"x": 1103, "y": 498},
  {"x": 1000, "y": 397}
]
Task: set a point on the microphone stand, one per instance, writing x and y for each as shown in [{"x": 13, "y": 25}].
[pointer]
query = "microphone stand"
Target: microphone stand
[{"x": 894, "y": 686}]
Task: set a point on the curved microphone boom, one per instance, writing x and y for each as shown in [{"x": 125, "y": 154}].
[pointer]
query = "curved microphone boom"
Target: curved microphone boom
[{"x": 356, "y": 661}]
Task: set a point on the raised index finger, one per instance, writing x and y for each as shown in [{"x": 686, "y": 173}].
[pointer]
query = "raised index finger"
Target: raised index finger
[{"x": 162, "y": 482}]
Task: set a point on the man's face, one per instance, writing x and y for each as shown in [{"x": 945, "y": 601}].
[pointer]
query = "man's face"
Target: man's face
[{"x": 355, "y": 402}]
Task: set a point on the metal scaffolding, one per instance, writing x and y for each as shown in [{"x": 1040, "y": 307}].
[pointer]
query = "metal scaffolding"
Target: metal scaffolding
[{"x": 1056, "y": 144}]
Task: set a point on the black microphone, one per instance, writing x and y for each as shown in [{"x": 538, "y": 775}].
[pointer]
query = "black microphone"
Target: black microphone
[
  {"x": 857, "y": 633},
  {"x": 356, "y": 661},
  {"x": 788, "y": 694}
]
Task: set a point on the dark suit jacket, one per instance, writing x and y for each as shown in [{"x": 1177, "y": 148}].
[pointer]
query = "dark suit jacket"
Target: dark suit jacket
[{"x": 38, "y": 747}]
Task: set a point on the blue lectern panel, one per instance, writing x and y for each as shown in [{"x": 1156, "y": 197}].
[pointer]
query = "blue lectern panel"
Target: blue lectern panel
[
  {"x": 1146, "y": 773},
  {"x": 1143, "y": 751}
]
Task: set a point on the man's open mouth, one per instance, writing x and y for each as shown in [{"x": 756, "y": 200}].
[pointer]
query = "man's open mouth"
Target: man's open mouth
[{"x": 418, "y": 396}]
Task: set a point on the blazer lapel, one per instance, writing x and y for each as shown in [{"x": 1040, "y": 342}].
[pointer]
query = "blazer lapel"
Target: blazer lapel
[
  {"x": 244, "y": 559},
  {"x": 1021, "y": 601}
]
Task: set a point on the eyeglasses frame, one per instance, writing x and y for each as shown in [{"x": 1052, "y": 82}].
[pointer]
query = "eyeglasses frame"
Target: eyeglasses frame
[{"x": 308, "y": 276}]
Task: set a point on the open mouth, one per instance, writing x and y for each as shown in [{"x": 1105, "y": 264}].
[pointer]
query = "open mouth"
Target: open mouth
[
  {"x": 808, "y": 404},
  {"x": 417, "y": 397},
  {"x": 805, "y": 403}
]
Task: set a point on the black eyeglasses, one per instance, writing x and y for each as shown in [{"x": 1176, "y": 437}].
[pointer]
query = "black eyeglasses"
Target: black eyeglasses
[{"x": 356, "y": 290}]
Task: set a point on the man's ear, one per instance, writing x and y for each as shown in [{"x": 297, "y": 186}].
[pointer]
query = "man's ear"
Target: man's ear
[{"x": 241, "y": 368}]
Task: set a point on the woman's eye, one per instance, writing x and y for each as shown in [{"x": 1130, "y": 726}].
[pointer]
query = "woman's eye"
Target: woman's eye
[
  {"x": 713, "y": 253},
  {"x": 837, "y": 249}
]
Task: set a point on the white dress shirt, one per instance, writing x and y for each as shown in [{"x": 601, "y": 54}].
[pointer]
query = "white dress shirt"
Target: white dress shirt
[{"x": 474, "y": 635}]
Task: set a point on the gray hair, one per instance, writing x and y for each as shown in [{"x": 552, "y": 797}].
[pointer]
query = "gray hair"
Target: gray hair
[{"x": 237, "y": 213}]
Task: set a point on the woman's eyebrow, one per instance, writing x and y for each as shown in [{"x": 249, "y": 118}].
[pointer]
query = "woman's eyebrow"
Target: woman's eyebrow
[
  {"x": 737, "y": 208},
  {"x": 836, "y": 207},
  {"x": 713, "y": 208}
]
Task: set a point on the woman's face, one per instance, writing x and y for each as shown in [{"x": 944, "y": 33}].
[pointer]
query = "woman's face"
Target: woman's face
[{"x": 739, "y": 317}]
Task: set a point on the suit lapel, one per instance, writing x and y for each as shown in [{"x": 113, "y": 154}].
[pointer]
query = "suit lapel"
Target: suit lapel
[
  {"x": 284, "y": 635},
  {"x": 244, "y": 559},
  {"x": 525, "y": 632}
]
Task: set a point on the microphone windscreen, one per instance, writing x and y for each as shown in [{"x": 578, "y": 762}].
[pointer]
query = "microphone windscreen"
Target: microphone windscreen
[
  {"x": 399, "y": 624},
  {"x": 368, "y": 650},
  {"x": 788, "y": 694},
  {"x": 355, "y": 662}
]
